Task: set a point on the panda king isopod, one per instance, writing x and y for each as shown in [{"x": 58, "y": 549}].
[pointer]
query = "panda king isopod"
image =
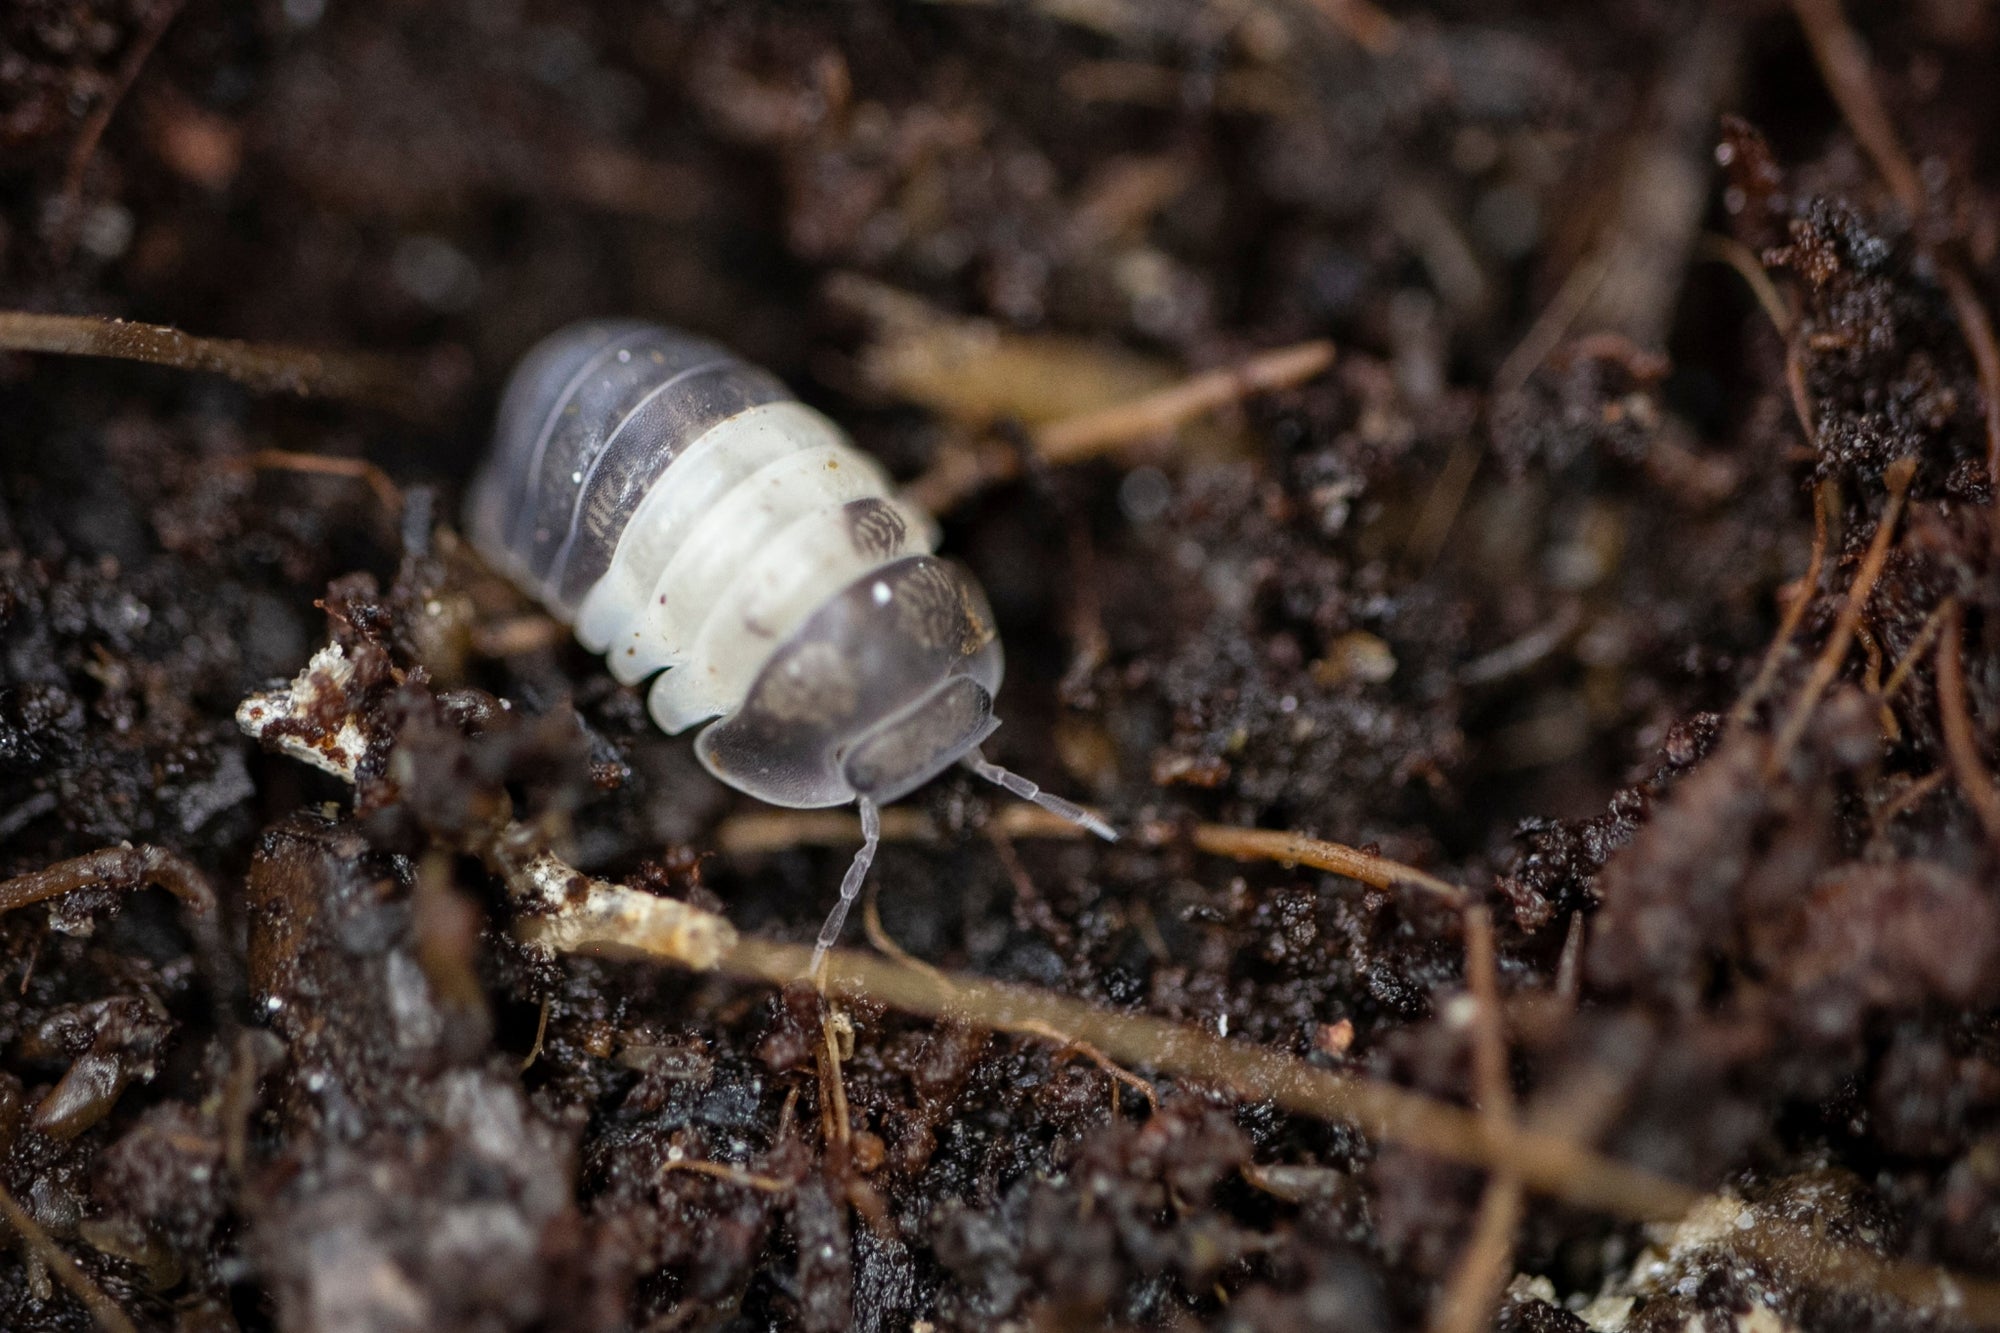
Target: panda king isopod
[{"x": 699, "y": 526}]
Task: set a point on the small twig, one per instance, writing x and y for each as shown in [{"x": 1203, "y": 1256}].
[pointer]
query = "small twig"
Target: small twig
[
  {"x": 99, "y": 120},
  {"x": 1092, "y": 434},
  {"x": 1912, "y": 795},
  {"x": 1248, "y": 844},
  {"x": 112, "y": 868},
  {"x": 1843, "y": 63},
  {"x": 1788, "y": 624},
  {"x": 1827, "y": 666},
  {"x": 1467, "y": 1303},
  {"x": 1546, "y": 333},
  {"x": 1728, "y": 250},
  {"x": 1443, "y": 503},
  {"x": 382, "y": 381},
  {"x": 885, "y": 943},
  {"x": 735, "y": 1175},
  {"x": 1069, "y": 1044},
  {"x": 70, "y": 1273},
  {"x": 1926, "y": 635},
  {"x": 768, "y": 831},
  {"x": 387, "y": 493},
  {"x": 1960, "y": 743},
  {"x": 832, "y": 1087},
  {"x": 541, "y": 1035},
  {"x": 960, "y": 472},
  {"x": 1569, "y": 967}
]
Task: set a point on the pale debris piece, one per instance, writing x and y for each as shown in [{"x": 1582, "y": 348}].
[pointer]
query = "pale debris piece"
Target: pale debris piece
[
  {"x": 593, "y": 915},
  {"x": 580, "y": 913},
  {"x": 1678, "y": 1250},
  {"x": 325, "y": 677}
]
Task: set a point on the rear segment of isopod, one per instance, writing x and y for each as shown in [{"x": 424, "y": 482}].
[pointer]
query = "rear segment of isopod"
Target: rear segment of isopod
[{"x": 592, "y": 418}]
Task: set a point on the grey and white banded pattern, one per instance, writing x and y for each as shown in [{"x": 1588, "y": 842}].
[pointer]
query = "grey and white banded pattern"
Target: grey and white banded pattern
[{"x": 696, "y": 524}]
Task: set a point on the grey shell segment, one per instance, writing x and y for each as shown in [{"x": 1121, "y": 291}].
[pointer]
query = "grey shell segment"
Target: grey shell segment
[
  {"x": 770, "y": 570},
  {"x": 591, "y": 418}
]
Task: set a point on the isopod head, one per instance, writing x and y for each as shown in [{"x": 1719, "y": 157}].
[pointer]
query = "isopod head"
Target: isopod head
[{"x": 887, "y": 684}]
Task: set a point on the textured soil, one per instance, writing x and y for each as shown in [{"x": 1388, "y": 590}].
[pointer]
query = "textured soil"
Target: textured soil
[{"x": 1484, "y": 598}]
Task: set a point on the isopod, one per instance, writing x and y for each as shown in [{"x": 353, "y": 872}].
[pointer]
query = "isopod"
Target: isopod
[{"x": 695, "y": 523}]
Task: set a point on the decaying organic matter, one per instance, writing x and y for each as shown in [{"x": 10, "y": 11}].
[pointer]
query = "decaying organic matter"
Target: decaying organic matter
[{"x": 1558, "y": 728}]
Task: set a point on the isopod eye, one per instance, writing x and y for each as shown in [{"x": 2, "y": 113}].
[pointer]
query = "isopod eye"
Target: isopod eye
[{"x": 916, "y": 745}]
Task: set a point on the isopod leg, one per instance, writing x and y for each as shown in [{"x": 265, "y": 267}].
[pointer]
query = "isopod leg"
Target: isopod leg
[
  {"x": 1028, "y": 791},
  {"x": 850, "y": 884}
]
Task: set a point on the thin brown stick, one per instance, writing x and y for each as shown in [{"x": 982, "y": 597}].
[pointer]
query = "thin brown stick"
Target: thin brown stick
[
  {"x": 112, "y": 868},
  {"x": 1728, "y": 250},
  {"x": 80, "y": 153},
  {"x": 1248, "y": 844},
  {"x": 834, "y": 1122},
  {"x": 1905, "y": 801},
  {"x": 768, "y": 831},
  {"x": 1843, "y": 63},
  {"x": 1091, "y": 434},
  {"x": 541, "y": 1035},
  {"x": 962, "y": 471},
  {"x": 1827, "y": 665},
  {"x": 68, "y": 1272},
  {"x": 1960, "y": 743},
  {"x": 1927, "y": 634},
  {"x": 1467, "y": 1303},
  {"x": 363, "y": 377},
  {"x": 1546, "y": 333},
  {"x": 1073, "y": 1045},
  {"x": 387, "y": 493},
  {"x": 735, "y": 1175},
  {"x": 1788, "y": 624}
]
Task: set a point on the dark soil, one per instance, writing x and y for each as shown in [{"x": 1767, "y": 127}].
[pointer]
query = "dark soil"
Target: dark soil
[{"x": 310, "y": 1112}]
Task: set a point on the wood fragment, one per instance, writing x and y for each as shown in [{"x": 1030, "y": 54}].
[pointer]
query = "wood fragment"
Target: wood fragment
[
  {"x": 362, "y": 377},
  {"x": 962, "y": 470},
  {"x": 776, "y": 830},
  {"x": 112, "y": 868},
  {"x": 734, "y": 1175},
  {"x": 1094, "y": 434}
]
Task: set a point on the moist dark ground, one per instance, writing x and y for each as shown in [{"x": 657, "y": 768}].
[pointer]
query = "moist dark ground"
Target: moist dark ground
[{"x": 312, "y": 1114}]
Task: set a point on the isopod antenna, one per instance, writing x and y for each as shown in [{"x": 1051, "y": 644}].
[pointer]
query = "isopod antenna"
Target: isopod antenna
[
  {"x": 1028, "y": 791},
  {"x": 850, "y": 883}
]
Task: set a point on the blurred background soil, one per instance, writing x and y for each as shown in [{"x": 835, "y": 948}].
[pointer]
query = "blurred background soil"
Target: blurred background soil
[{"x": 1482, "y": 597}]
